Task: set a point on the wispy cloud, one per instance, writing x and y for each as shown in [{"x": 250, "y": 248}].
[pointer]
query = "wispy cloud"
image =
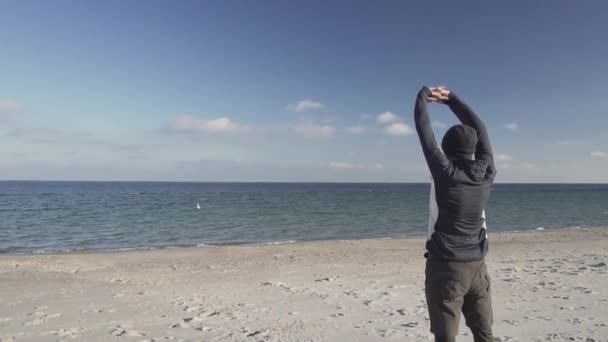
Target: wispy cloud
[
  {"x": 9, "y": 107},
  {"x": 564, "y": 143},
  {"x": 599, "y": 154},
  {"x": 359, "y": 129},
  {"x": 30, "y": 132},
  {"x": 314, "y": 131},
  {"x": 191, "y": 124},
  {"x": 305, "y": 105},
  {"x": 342, "y": 165},
  {"x": 387, "y": 117},
  {"x": 366, "y": 116},
  {"x": 503, "y": 157},
  {"x": 530, "y": 166},
  {"x": 398, "y": 128},
  {"x": 116, "y": 146},
  {"x": 52, "y": 136},
  {"x": 346, "y": 165},
  {"x": 438, "y": 124},
  {"x": 512, "y": 126}
]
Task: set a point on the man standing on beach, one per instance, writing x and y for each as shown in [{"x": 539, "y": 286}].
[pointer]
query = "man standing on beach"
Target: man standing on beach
[{"x": 456, "y": 275}]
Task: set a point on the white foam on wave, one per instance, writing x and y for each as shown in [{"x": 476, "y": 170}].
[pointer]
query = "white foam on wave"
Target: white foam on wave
[{"x": 276, "y": 242}]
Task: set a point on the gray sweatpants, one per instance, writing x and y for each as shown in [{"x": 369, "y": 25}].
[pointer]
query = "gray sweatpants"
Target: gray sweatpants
[{"x": 453, "y": 287}]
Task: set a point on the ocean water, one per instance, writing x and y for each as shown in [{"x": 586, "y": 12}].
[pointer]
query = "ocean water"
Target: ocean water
[{"x": 40, "y": 217}]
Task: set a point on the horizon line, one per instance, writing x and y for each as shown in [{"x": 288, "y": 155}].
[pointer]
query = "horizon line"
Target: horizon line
[{"x": 269, "y": 182}]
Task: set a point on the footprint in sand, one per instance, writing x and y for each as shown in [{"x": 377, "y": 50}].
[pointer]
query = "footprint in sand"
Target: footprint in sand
[
  {"x": 388, "y": 332},
  {"x": 203, "y": 329},
  {"x": 327, "y": 279},
  {"x": 120, "y": 331},
  {"x": 70, "y": 332},
  {"x": 512, "y": 322},
  {"x": 188, "y": 322},
  {"x": 41, "y": 318},
  {"x": 505, "y": 339},
  {"x": 392, "y": 312},
  {"x": 254, "y": 333},
  {"x": 410, "y": 324}
]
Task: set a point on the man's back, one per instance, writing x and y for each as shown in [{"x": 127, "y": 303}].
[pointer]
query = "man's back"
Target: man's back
[{"x": 457, "y": 233}]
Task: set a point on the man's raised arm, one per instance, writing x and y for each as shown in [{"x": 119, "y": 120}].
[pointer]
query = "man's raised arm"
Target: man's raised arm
[
  {"x": 468, "y": 117},
  {"x": 435, "y": 159}
]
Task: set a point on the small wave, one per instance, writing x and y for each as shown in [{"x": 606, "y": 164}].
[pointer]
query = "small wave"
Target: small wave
[
  {"x": 206, "y": 245},
  {"x": 44, "y": 251},
  {"x": 275, "y": 242},
  {"x": 540, "y": 228}
]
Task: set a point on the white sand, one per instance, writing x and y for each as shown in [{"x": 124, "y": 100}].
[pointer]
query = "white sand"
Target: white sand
[{"x": 547, "y": 286}]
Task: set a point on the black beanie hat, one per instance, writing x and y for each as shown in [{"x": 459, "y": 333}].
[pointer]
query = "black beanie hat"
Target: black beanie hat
[{"x": 459, "y": 142}]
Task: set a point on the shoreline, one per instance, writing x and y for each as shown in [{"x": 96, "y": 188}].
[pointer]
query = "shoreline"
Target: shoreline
[{"x": 270, "y": 243}]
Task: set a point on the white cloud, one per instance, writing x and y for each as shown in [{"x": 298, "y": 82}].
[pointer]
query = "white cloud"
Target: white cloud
[
  {"x": 599, "y": 154},
  {"x": 438, "y": 124},
  {"x": 305, "y": 105},
  {"x": 387, "y": 117},
  {"x": 10, "y": 107},
  {"x": 398, "y": 129},
  {"x": 513, "y": 126},
  {"x": 190, "y": 124},
  {"x": 342, "y": 165},
  {"x": 503, "y": 157},
  {"x": 355, "y": 129},
  {"x": 351, "y": 166},
  {"x": 315, "y": 131}
]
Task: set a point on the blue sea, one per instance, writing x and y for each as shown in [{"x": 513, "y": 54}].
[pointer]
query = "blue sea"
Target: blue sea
[{"x": 39, "y": 217}]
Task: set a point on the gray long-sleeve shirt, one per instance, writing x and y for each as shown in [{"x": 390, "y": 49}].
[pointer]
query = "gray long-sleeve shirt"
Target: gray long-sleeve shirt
[{"x": 461, "y": 187}]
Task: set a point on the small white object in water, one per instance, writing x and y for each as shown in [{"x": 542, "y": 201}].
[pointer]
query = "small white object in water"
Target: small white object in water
[
  {"x": 198, "y": 205},
  {"x": 540, "y": 228}
]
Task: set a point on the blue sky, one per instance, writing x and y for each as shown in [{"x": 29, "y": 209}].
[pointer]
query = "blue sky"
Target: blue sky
[{"x": 295, "y": 91}]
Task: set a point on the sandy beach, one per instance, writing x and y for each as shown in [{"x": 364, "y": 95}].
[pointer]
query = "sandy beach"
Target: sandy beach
[{"x": 547, "y": 286}]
